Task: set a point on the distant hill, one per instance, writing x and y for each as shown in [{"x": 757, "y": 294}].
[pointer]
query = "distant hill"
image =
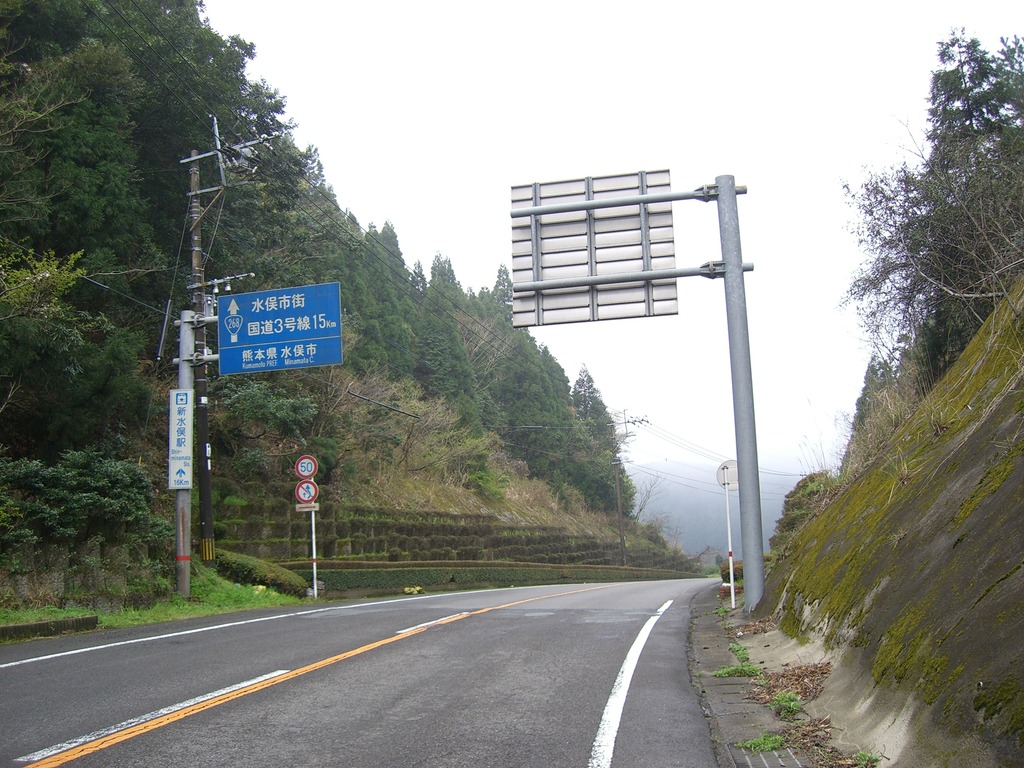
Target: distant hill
[{"x": 692, "y": 505}]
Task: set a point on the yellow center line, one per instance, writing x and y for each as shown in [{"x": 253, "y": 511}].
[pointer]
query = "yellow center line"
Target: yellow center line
[{"x": 97, "y": 745}]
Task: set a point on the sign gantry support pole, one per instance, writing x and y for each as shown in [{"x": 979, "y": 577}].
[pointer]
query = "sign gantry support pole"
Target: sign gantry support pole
[{"x": 742, "y": 394}]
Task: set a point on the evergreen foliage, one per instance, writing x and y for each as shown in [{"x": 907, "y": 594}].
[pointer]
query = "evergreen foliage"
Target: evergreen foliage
[
  {"x": 83, "y": 496},
  {"x": 944, "y": 235},
  {"x": 99, "y": 104},
  {"x": 945, "y": 244}
]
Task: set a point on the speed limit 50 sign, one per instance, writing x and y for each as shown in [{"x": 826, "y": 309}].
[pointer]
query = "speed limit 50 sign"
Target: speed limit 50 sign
[{"x": 306, "y": 467}]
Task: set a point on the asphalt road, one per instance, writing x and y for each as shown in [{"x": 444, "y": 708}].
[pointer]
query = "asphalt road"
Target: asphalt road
[{"x": 592, "y": 676}]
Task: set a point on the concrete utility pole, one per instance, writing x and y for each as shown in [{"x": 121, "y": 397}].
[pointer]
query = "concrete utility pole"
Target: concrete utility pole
[
  {"x": 183, "y": 496},
  {"x": 618, "y": 506}
]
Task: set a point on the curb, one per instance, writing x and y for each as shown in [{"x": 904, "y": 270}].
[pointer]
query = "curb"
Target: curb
[
  {"x": 732, "y": 717},
  {"x": 48, "y": 628}
]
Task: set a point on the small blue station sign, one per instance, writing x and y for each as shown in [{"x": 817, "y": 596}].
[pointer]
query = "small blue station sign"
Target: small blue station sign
[{"x": 281, "y": 329}]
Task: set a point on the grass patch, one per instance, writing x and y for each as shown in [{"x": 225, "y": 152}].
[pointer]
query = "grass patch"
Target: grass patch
[
  {"x": 210, "y": 595},
  {"x": 744, "y": 669},
  {"x": 46, "y": 613},
  {"x": 768, "y": 742},
  {"x": 740, "y": 652}
]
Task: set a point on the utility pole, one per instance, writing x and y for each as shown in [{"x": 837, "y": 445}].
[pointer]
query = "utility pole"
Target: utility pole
[
  {"x": 618, "y": 506},
  {"x": 200, "y": 310},
  {"x": 194, "y": 355},
  {"x": 183, "y": 496}
]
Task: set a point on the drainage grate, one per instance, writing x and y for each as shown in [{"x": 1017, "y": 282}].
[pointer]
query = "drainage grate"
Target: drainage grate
[{"x": 783, "y": 758}]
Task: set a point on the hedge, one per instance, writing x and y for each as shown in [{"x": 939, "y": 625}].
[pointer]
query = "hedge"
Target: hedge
[
  {"x": 252, "y": 570},
  {"x": 379, "y": 577}
]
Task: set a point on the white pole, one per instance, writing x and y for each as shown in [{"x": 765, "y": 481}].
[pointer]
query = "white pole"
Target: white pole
[
  {"x": 728, "y": 533},
  {"x": 312, "y": 525}
]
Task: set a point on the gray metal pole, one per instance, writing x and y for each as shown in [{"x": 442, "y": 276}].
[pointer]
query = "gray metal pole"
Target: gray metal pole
[
  {"x": 742, "y": 394},
  {"x": 183, "y": 496}
]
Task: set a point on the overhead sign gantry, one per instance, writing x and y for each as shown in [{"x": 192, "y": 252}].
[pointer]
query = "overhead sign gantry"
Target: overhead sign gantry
[{"x": 600, "y": 248}]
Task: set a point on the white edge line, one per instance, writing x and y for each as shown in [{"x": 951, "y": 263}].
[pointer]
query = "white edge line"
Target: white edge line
[
  {"x": 64, "y": 746},
  {"x": 346, "y": 607},
  {"x": 604, "y": 743},
  {"x": 431, "y": 623},
  {"x": 211, "y": 628}
]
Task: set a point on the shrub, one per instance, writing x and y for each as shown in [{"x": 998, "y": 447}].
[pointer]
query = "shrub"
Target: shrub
[
  {"x": 251, "y": 570},
  {"x": 737, "y": 569},
  {"x": 84, "y": 496},
  {"x": 488, "y": 485}
]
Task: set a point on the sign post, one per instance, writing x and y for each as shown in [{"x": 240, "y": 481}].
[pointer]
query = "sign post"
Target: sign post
[
  {"x": 727, "y": 476},
  {"x": 306, "y": 491}
]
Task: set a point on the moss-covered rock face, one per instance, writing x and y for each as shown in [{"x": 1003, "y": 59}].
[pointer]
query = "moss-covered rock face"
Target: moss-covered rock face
[{"x": 920, "y": 562}]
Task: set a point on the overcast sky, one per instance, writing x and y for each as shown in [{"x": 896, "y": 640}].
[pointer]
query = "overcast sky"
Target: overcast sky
[{"x": 425, "y": 114}]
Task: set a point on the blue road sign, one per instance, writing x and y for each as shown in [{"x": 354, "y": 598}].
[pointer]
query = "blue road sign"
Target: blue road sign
[
  {"x": 179, "y": 445},
  {"x": 280, "y": 329}
]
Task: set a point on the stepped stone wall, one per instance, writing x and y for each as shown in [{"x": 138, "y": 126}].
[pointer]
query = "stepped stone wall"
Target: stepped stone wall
[{"x": 416, "y": 535}]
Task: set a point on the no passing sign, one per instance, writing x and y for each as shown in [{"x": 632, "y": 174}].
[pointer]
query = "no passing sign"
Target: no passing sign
[{"x": 306, "y": 491}]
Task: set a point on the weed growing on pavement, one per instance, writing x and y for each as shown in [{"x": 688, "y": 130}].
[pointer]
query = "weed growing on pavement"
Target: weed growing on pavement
[
  {"x": 786, "y": 705},
  {"x": 867, "y": 759},
  {"x": 768, "y": 742},
  {"x": 744, "y": 669},
  {"x": 740, "y": 652}
]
